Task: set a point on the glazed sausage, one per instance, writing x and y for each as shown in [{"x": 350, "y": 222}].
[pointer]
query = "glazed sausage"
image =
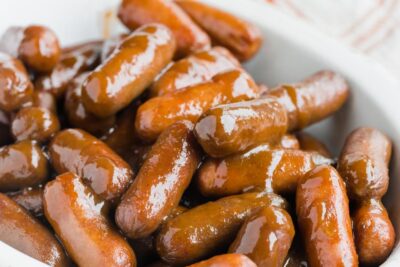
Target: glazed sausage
[
  {"x": 288, "y": 141},
  {"x": 265, "y": 237},
  {"x": 189, "y": 37},
  {"x": 35, "y": 123},
  {"x": 24, "y": 233},
  {"x": 30, "y": 198},
  {"x": 310, "y": 143},
  {"x": 322, "y": 209},
  {"x": 37, "y": 46},
  {"x": 198, "y": 232},
  {"x": 363, "y": 163},
  {"x": 16, "y": 87},
  {"x": 226, "y": 260},
  {"x": 313, "y": 99},
  {"x": 22, "y": 164},
  {"x": 160, "y": 183},
  {"x": 158, "y": 113},
  {"x": 81, "y": 153},
  {"x": 260, "y": 168},
  {"x": 110, "y": 87},
  {"x": 78, "y": 216},
  {"x": 77, "y": 114},
  {"x": 239, "y": 36},
  {"x": 43, "y": 99},
  {"x": 374, "y": 234},
  {"x": 74, "y": 61},
  {"x": 194, "y": 69},
  {"x": 236, "y": 127}
]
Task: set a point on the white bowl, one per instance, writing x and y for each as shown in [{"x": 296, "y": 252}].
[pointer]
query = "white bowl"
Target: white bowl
[{"x": 291, "y": 51}]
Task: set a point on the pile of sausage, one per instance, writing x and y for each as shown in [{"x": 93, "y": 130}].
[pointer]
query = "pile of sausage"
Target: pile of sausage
[{"x": 156, "y": 148}]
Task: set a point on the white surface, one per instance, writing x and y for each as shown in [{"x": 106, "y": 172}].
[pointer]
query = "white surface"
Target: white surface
[
  {"x": 72, "y": 20},
  {"x": 10, "y": 257},
  {"x": 291, "y": 51}
]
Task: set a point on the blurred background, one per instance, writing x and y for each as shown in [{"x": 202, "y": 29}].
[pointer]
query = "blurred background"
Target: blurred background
[{"x": 369, "y": 26}]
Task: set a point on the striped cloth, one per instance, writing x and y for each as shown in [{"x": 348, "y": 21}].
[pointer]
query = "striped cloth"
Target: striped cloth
[{"x": 369, "y": 26}]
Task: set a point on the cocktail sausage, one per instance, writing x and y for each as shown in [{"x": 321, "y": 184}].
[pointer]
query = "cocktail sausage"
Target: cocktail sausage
[
  {"x": 35, "y": 123},
  {"x": 189, "y": 37},
  {"x": 198, "y": 232},
  {"x": 81, "y": 153},
  {"x": 77, "y": 114},
  {"x": 78, "y": 216},
  {"x": 313, "y": 99},
  {"x": 16, "y": 87},
  {"x": 374, "y": 233},
  {"x": 310, "y": 143},
  {"x": 37, "y": 46},
  {"x": 265, "y": 237},
  {"x": 363, "y": 163},
  {"x": 73, "y": 61},
  {"x": 22, "y": 164},
  {"x": 23, "y": 232},
  {"x": 196, "y": 68},
  {"x": 226, "y": 260},
  {"x": 160, "y": 183},
  {"x": 158, "y": 113},
  {"x": 233, "y": 128},
  {"x": 261, "y": 168},
  {"x": 30, "y": 198},
  {"x": 239, "y": 36},
  {"x": 130, "y": 69},
  {"x": 322, "y": 209}
]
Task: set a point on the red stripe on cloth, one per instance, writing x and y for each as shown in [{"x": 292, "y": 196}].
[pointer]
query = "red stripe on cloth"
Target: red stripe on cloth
[
  {"x": 380, "y": 41},
  {"x": 363, "y": 18},
  {"x": 376, "y": 26},
  {"x": 294, "y": 9}
]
